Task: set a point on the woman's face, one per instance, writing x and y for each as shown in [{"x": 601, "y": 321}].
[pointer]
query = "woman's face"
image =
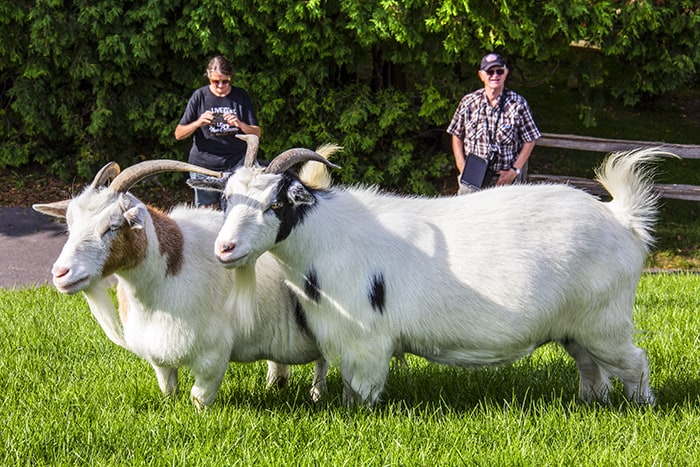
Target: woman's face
[{"x": 219, "y": 84}]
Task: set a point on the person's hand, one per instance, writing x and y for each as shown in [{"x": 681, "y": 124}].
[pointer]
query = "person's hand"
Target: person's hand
[
  {"x": 232, "y": 120},
  {"x": 506, "y": 177},
  {"x": 207, "y": 118}
]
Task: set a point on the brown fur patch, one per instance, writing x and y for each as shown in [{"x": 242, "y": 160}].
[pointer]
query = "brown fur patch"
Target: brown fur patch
[
  {"x": 126, "y": 251},
  {"x": 128, "y": 248},
  {"x": 170, "y": 240}
]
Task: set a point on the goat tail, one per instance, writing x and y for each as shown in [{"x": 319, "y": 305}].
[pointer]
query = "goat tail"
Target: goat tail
[
  {"x": 316, "y": 174},
  {"x": 627, "y": 175}
]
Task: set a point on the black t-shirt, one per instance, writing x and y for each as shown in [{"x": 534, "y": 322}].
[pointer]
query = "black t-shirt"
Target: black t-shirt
[{"x": 216, "y": 146}]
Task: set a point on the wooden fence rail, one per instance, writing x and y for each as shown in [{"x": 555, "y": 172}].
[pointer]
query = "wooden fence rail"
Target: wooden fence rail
[{"x": 587, "y": 143}]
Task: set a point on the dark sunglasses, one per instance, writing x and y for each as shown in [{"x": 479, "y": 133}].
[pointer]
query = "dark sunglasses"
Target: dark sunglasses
[
  {"x": 498, "y": 71},
  {"x": 220, "y": 81}
]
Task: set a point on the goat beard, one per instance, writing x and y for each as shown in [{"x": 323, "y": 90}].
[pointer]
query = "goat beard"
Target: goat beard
[{"x": 243, "y": 298}]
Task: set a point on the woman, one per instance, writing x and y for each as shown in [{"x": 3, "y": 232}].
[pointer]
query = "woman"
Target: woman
[{"x": 215, "y": 114}]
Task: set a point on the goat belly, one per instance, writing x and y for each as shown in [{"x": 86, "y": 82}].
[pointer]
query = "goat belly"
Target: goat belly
[
  {"x": 472, "y": 357},
  {"x": 278, "y": 348}
]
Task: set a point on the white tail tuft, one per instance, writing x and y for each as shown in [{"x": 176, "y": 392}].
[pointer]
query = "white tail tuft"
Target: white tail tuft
[
  {"x": 316, "y": 174},
  {"x": 627, "y": 177}
]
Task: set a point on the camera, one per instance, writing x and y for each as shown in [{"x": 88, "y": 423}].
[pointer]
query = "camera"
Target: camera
[{"x": 218, "y": 118}]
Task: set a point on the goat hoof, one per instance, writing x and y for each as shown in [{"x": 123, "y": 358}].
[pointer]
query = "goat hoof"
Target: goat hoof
[{"x": 279, "y": 382}]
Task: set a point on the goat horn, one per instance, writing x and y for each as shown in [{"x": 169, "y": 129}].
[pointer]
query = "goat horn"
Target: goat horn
[
  {"x": 110, "y": 171},
  {"x": 293, "y": 156},
  {"x": 134, "y": 174},
  {"x": 252, "y": 142}
]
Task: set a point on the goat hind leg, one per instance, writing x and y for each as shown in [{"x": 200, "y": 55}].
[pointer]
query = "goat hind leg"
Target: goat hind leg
[
  {"x": 630, "y": 364},
  {"x": 594, "y": 383}
]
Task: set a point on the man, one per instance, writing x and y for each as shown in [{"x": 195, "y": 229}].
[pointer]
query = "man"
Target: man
[{"x": 495, "y": 124}]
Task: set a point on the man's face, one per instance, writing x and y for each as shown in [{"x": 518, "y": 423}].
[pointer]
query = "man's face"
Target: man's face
[{"x": 494, "y": 77}]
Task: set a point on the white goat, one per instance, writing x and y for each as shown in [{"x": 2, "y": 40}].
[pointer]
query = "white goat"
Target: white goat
[
  {"x": 467, "y": 280},
  {"x": 173, "y": 297}
]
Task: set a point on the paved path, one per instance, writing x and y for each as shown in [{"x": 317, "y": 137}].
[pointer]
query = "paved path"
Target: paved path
[{"x": 29, "y": 244}]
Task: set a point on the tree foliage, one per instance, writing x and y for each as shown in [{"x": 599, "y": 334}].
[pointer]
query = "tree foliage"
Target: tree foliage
[{"x": 84, "y": 82}]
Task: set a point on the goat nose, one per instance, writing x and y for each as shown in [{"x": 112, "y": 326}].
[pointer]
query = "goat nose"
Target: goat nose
[
  {"x": 225, "y": 247},
  {"x": 59, "y": 271}
]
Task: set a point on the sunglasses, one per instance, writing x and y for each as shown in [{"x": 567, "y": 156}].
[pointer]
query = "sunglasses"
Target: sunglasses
[
  {"x": 220, "y": 81},
  {"x": 498, "y": 71}
]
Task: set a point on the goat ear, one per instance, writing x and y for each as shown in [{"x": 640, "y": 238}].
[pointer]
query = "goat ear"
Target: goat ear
[
  {"x": 298, "y": 194},
  {"x": 135, "y": 216},
  {"x": 57, "y": 209}
]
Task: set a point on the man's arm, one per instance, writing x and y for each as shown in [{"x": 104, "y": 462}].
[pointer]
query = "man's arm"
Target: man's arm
[{"x": 458, "y": 151}]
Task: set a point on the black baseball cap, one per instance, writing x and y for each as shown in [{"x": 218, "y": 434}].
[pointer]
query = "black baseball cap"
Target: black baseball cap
[{"x": 492, "y": 60}]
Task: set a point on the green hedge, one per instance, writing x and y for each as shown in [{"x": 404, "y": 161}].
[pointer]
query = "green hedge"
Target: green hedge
[{"x": 84, "y": 82}]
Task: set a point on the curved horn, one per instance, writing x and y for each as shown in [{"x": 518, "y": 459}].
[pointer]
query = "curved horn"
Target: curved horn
[
  {"x": 134, "y": 174},
  {"x": 252, "y": 142},
  {"x": 293, "y": 156},
  {"x": 109, "y": 172}
]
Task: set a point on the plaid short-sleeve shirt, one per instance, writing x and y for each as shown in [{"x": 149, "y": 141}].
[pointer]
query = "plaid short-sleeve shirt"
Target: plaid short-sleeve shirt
[{"x": 503, "y": 129}]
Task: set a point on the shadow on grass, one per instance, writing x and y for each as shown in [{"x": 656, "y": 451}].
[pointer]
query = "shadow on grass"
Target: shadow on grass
[
  {"x": 678, "y": 390},
  {"x": 418, "y": 384},
  {"x": 460, "y": 389}
]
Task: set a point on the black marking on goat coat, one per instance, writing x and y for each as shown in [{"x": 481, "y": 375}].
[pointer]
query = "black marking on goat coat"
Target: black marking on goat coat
[
  {"x": 311, "y": 286},
  {"x": 288, "y": 214},
  {"x": 300, "y": 315},
  {"x": 377, "y": 293}
]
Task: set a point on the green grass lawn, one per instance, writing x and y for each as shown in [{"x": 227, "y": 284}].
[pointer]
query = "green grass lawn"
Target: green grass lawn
[{"x": 68, "y": 396}]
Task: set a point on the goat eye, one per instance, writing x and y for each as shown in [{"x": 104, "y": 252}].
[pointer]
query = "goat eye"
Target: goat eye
[{"x": 113, "y": 228}]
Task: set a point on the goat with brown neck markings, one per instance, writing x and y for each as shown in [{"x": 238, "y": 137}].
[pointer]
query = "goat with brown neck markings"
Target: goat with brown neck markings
[
  {"x": 469, "y": 280},
  {"x": 175, "y": 304}
]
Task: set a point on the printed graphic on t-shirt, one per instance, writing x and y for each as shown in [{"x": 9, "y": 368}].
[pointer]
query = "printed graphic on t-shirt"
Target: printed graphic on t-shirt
[{"x": 219, "y": 127}]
